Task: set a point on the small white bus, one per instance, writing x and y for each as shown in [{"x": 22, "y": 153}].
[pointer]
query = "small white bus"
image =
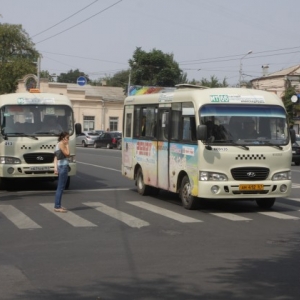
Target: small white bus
[
  {"x": 212, "y": 143},
  {"x": 27, "y": 143}
]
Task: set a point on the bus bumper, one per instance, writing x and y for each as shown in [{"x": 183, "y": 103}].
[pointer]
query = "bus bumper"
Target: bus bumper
[
  {"x": 244, "y": 190},
  {"x": 32, "y": 171}
]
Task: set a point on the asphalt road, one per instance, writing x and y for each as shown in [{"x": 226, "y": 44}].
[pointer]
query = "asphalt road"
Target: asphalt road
[{"x": 116, "y": 244}]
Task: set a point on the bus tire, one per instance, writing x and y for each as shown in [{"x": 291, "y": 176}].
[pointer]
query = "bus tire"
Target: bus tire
[
  {"x": 142, "y": 188},
  {"x": 265, "y": 203},
  {"x": 68, "y": 183},
  {"x": 188, "y": 201}
]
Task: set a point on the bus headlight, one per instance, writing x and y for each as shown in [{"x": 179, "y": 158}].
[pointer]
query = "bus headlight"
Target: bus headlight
[
  {"x": 212, "y": 176},
  {"x": 9, "y": 160},
  {"x": 282, "y": 176}
]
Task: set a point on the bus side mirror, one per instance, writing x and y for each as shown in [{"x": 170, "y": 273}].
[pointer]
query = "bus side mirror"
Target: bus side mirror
[
  {"x": 78, "y": 129},
  {"x": 202, "y": 132},
  {"x": 293, "y": 135}
]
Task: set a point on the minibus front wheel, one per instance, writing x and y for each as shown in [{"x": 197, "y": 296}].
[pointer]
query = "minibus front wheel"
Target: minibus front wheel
[
  {"x": 142, "y": 188},
  {"x": 188, "y": 201},
  {"x": 265, "y": 203}
]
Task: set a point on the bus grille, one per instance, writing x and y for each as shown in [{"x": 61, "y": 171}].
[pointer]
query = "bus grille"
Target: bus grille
[
  {"x": 250, "y": 174},
  {"x": 39, "y": 158}
]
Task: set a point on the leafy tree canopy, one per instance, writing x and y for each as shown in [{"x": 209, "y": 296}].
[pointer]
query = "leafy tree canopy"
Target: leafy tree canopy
[
  {"x": 154, "y": 68},
  {"x": 289, "y": 105},
  {"x": 212, "y": 83},
  {"x": 71, "y": 76},
  {"x": 46, "y": 74},
  {"x": 18, "y": 56}
]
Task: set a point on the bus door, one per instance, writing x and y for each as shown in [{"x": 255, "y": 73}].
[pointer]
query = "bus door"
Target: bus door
[
  {"x": 163, "y": 146},
  {"x": 127, "y": 143}
]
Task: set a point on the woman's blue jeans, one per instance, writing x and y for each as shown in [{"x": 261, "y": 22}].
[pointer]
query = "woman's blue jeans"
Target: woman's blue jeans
[{"x": 62, "y": 180}]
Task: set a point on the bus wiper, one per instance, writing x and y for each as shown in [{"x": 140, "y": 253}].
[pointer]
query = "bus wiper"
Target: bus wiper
[
  {"x": 237, "y": 145},
  {"x": 272, "y": 145},
  {"x": 26, "y": 135}
]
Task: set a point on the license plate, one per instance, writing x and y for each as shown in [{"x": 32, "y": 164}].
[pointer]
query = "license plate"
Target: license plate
[
  {"x": 251, "y": 187},
  {"x": 294, "y": 152},
  {"x": 39, "y": 168}
]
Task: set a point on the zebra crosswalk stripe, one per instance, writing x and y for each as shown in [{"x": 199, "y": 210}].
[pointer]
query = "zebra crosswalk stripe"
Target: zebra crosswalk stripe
[
  {"x": 117, "y": 214},
  {"x": 231, "y": 217},
  {"x": 164, "y": 212},
  {"x": 278, "y": 215},
  {"x": 18, "y": 218},
  {"x": 69, "y": 217}
]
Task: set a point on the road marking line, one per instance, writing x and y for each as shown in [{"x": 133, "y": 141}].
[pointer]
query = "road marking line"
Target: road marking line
[
  {"x": 294, "y": 199},
  {"x": 286, "y": 206},
  {"x": 18, "y": 218},
  {"x": 117, "y": 214},
  {"x": 69, "y": 217},
  {"x": 164, "y": 212},
  {"x": 231, "y": 217},
  {"x": 278, "y": 215},
  {"x": 101, "y": 167}
]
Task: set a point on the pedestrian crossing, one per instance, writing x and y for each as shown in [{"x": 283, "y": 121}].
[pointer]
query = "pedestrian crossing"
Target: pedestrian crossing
[{"x": 73, "y": 218}]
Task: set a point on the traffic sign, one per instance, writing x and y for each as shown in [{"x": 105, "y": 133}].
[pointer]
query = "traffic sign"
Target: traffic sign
[{"x": 81, "y": 80}]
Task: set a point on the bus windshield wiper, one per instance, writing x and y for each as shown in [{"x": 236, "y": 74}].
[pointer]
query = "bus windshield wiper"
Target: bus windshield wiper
[
  {"x": 272, "y": 145},
  {"x": 26, "y": 135},
  {"x": 237, "y": 145}
]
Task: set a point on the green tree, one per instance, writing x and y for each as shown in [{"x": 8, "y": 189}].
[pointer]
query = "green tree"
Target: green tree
[
  {"x": 71, "y": 76},
  {"x": 290, "y": 107},
  {"x": 46, "y": 74},
  {"x": 18, "y": 56},
  {"x": 213, "y": 82},
  {"x": 154, "y": 68}
]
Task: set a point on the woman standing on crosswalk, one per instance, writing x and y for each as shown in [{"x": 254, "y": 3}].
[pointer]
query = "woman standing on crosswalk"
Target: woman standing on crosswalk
[{"x": 61, "y": 168}]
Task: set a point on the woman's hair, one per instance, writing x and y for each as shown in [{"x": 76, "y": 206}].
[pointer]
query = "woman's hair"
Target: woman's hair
[{"x": 62, "y": 135}]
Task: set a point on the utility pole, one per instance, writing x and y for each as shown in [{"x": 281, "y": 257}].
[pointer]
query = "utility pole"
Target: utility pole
[{"x": 241, "y": 67}]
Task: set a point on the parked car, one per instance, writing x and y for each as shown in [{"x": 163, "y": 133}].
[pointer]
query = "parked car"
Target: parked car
[
  {"x": 108, "y": 139},
  {"x": 296, "y": 151},
  {"x": 99, "y": 131},
  {"x": 86, "y": 138}
]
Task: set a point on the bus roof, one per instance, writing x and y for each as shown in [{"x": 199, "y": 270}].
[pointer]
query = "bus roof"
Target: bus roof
[
  {"x": 208, "y": 95},
  {"x": 32, "y": 98}
]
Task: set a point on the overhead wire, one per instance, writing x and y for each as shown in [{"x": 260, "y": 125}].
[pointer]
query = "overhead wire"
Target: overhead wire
[
  {"x": 103, "y": 10},
  {"x": 65, "y": 19}
]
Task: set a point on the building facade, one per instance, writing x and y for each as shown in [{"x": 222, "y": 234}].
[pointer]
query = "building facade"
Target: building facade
[{"x": 95, "y": 107}]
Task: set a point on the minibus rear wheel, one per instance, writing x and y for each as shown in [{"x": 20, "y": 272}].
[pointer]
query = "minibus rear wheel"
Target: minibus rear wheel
[
  {"x": 142, "y": 188},
  {"x": 188, "y": 201}
]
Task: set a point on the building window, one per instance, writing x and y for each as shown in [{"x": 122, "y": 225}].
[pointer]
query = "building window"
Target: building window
[
  {"x": 88, "y": 123},
  {"x": 113, "y": 123}
]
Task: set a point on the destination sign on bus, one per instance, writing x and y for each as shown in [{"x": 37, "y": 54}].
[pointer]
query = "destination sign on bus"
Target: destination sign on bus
[{"x": 237, "y": 99}]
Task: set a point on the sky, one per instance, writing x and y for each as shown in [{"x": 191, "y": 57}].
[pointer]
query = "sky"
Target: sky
[{"x": 206, "y": 37}]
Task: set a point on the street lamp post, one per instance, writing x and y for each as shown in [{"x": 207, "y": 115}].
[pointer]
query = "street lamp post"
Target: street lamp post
[
  {"x": 129, "y": 79},
  {"x": 241, "y": 67}
]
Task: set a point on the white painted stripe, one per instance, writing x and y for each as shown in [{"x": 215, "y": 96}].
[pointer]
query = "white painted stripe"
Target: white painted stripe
[
  {"x": 295, "y": 186},
  {"x": 69, "y": 217},
  {"x": 294, "y": 199},
  {"x": 278, "y": 215},
  {"x": 117, "y": 214},
  {"x": 71, "y": 191},
  {"x": 164, "y": 212},
  {"x": 18, "y": 218},
  {"x": 101, "y": 167},
  {"x": 231, "y": 217},
  {"x": 286, "y": 206}
]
